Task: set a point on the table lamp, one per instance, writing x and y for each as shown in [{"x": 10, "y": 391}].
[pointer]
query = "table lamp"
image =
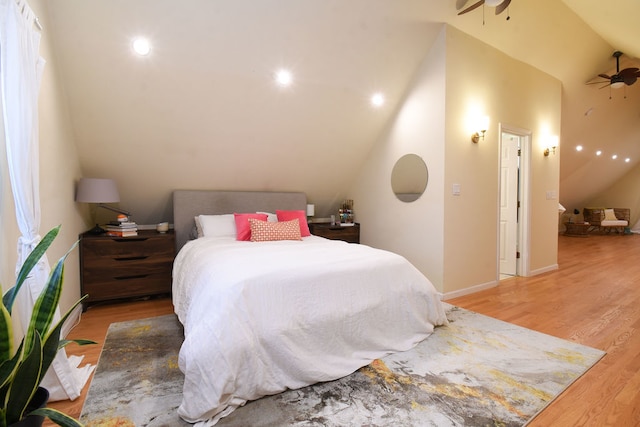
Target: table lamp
[
  {"x": 311, "y": 211},
  {"x": 100, "y": 191}
]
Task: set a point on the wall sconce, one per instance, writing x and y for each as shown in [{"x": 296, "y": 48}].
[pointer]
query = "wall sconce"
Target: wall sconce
[
  {"x": 553, "y": 144},
  {"x": 482, "y": 126}
]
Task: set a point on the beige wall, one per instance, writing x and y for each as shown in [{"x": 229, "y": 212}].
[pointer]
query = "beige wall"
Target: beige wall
[
  {"x": 59, "y": 170},
  {"x": 414, "y": 230},
  {"x": 453, "y": 239},
  {"x": 483, "y": 81}
]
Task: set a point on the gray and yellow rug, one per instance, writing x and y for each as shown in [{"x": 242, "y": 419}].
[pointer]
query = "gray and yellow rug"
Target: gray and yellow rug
[{"x": 477, "y": 371}]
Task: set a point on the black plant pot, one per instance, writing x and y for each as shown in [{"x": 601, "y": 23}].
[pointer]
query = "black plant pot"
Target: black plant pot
[{"x": 39, "y": 401}]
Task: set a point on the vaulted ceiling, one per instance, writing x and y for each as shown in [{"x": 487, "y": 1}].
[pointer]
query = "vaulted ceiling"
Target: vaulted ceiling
[{"x": 201, "y": 111}]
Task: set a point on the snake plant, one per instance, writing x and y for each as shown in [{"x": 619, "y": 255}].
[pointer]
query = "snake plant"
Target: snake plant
[{"x": 22, "y": 368}]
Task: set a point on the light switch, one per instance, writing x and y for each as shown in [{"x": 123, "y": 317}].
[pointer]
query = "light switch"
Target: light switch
[{"x": 456, "y": 189}]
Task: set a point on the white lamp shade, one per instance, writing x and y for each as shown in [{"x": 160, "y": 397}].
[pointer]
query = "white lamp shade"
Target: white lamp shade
[
  {"x": 311, "y": 210},
  {"x": 493, "y": 3},
  {"x": 97, "y": 190}
]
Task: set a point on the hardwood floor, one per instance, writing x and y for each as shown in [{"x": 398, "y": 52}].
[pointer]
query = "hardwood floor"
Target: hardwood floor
[
  {"x": 592, "y": 299},
  {"x": 93, "y": 325}
]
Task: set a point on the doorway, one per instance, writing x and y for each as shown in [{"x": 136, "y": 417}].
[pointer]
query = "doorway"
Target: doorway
[{"x": 513, "y": 206}]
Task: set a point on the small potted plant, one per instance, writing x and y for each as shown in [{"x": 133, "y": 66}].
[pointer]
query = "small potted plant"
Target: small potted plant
[{"x": 22, "y": 369}]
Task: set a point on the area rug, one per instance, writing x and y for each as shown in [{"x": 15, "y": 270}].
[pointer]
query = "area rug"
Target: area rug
[{"x": 476, "y": 371}]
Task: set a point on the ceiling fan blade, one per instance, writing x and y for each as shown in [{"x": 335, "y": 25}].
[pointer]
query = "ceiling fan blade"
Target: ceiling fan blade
[
  {"x": 472, "y": 7},
  {"x": 598, "y": 82},
  {"x": 628, "y": 72},
  {"x": 460, "y": 4},
  {"x": 629, "y": 75},
  {"x": 604, "y": 76},
  {"x": 502, "y": 6}
]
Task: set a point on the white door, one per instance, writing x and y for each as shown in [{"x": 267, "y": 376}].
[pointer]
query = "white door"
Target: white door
[{"x": 509, "y": 164}]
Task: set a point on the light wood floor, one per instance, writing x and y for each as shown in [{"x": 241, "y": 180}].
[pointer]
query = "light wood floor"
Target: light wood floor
[{"x": 593, "y": 299}]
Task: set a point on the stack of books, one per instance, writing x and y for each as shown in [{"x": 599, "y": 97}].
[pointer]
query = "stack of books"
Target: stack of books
[{"x": 122, "y": 229}]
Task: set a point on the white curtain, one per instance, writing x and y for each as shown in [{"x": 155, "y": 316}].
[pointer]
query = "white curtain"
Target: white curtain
[{"x": 20, "y": 74}]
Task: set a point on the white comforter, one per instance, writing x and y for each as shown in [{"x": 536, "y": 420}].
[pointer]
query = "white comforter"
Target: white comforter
[{"x": 263, "y": 317}]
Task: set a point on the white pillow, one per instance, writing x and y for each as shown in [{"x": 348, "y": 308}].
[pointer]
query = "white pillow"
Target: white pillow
[
  {"x": 271, "y": 217},
  {"x": 198, "y": 232},
  {"x": 217, "y": 225}
]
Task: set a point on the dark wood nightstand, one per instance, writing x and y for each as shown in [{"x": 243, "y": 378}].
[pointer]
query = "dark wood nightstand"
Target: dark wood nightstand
[
  {"x": 124, "y": 267},
  {"x": 336, "y": 232}
]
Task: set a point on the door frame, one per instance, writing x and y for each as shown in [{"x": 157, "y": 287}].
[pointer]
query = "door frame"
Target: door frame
[{"x": 524, "y": 189}]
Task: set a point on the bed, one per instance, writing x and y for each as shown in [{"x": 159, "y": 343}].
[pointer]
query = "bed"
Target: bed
[{"x": 261, "y": 317}]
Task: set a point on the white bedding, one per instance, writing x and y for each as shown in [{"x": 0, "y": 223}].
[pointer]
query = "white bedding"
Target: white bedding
[{"x": 263, "y": 317}]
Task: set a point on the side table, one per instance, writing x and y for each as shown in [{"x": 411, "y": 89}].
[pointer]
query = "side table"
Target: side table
[
  {"x": 112, "y": 268},
  {"x": 577, "y": 229}
]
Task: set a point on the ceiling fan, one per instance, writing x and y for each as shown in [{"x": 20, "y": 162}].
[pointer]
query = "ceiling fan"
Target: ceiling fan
[
  {"x": 628, "y": 76},
  {"x": 500, "y": 5}
]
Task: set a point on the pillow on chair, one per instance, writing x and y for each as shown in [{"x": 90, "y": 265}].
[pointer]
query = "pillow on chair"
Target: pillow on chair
[{"x": 609, "y": 215}]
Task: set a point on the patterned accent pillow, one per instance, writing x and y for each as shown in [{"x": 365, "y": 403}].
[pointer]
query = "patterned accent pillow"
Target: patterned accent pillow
[{"x": 264, "y": 231}]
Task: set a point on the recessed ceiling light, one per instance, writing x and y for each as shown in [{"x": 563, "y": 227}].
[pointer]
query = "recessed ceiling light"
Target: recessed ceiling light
[
  {"x": 598, "y": 153},
  {"x": 627, "y": 160},
  {"x": 141, "y": 46},
  {"x": 579, "y": 148},
  {"x": 615, "y": 156},
  {"x": 284, "y": 77},
  {"x": 377, "y": 99}
]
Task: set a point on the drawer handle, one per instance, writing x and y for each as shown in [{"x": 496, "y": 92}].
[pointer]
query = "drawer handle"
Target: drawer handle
[
  {"x": 132, "y": 258},
  {"x": 138, "y": 276},
  {"x": 131, "y": 239}
]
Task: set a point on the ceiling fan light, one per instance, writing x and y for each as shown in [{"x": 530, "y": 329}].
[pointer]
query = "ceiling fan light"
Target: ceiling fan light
[
  {"x": 617, "y": 85},
  {"x": 493, "y": 3}
]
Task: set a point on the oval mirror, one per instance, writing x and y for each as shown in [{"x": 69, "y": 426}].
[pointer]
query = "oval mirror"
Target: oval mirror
[{"x": 409, "y": 178}]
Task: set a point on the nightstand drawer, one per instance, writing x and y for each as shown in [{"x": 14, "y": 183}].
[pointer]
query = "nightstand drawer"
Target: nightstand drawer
[
  {"x": 127, "y": 247},
  {"x": 127, "y": 286},
  {"x": 349, "y": 234},
  {"x": 100, "y": 275},
  {"x": 122, "y": 260}
]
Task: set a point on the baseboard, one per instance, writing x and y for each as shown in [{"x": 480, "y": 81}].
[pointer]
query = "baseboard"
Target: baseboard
[
  {"x": 470, "y": 290},
  {"x": 71, "y": 322},
  {"x": 546, "y": 269}
]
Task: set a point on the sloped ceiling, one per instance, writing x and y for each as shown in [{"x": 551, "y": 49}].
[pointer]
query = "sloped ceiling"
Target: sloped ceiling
[
  {"x": 615, "y": 20},
  {"x": 201, "y": 111}
]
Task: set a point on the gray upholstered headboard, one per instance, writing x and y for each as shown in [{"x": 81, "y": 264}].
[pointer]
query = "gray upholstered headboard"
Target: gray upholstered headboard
[{"x": 189, "y": 203}]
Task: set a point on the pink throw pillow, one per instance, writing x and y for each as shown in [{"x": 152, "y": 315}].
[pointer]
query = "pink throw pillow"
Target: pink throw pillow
[
  {"x": 243, "y": 229},
  {"x": 301, "y": 216}
]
